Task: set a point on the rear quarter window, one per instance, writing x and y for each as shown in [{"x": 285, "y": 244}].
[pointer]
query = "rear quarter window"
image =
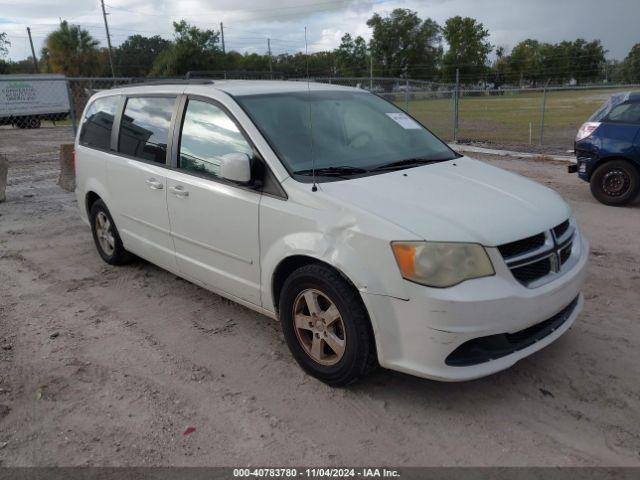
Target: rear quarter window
[{"x": 98, "y": 122}]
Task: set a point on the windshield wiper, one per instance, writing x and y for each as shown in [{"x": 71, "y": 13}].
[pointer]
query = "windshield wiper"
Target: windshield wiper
[
  {"x": 338, "y": 171},
  {"x": 409, "y": 162}
]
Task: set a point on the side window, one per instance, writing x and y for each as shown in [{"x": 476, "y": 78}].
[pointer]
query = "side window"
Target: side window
[
  {"x": 207, "y": 134},
  {"x": 98, "y": 120},
  {"x": 625, "y": 113},
  {"x": 144, "y": 129}
]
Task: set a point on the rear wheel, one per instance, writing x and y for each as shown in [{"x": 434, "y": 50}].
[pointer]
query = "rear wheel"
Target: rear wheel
[
  {"x": 326, "y": 325},
  {"x": 34, "y": 122},
  {"x": 616, "y": 183},
  {"x": 106, "y": 237},
  {"x": 27, "y": 122}
]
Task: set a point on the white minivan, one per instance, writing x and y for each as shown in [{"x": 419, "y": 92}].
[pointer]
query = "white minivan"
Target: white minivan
[{"x": 333, "y": 210}]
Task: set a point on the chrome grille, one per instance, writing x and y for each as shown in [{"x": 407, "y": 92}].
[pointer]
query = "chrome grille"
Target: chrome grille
[{"x": 537, "y": 259}]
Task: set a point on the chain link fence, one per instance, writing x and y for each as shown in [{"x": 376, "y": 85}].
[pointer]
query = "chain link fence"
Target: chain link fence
[{"x": 538, "y": 119}]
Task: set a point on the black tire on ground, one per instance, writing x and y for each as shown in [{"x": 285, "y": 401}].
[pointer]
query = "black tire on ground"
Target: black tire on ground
[
  {"x": 21, "y": 122},
  {"x": 118, "y": 255},
  {"x": 359, "y": 356},
  {"x": 615, "y": 183},
  {"x": 34, "y": 122}
]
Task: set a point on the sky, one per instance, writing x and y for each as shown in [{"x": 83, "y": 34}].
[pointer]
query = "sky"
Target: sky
[{"x": 248, "y": 23}]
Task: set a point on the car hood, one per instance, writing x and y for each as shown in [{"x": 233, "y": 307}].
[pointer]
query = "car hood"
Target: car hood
[{"x": 461, "y": 200}]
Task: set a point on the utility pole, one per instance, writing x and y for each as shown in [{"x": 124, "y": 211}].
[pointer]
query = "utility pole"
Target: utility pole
[
  {"x": 106, "y": 27},
  {"x": 224, "y": 51},
  {"x": 33, "y": 52},
  {"x": 270, "y": 63}
]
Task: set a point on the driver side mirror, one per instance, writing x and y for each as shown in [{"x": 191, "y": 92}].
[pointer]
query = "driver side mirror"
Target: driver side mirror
[{"x": 236, "y": 167}]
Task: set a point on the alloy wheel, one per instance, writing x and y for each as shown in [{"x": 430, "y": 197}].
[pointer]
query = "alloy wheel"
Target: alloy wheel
[
  {"x": 104, "y": 232},
  {"x": 319, "y": 327}
]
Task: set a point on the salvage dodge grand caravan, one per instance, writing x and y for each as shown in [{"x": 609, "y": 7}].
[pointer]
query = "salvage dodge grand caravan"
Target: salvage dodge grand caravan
[{"x": 333, "y": 210}]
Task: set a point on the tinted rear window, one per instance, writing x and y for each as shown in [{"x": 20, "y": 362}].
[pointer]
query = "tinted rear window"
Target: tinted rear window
[
  {"x": 98, "y": 121},
  {"x": 144, "y": 130}
]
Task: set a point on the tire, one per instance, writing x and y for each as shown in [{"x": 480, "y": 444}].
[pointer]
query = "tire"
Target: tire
[
  {"x": 351, "y": 331},
  {"x": 616, "y": 183},
  {"x": 34, "y": 123},
  {"x": 106, "y": 236}
]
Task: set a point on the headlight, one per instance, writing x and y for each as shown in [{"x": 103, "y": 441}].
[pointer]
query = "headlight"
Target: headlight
[
  {"x": 586, "y": 130},
  {"x": 440, "y": 264}
]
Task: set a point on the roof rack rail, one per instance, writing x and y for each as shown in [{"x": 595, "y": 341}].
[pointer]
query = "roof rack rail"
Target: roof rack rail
[{"x": 174, "y": 81}]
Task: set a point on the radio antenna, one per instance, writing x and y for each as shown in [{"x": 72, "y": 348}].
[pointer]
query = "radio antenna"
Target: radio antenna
[{"x": 314, "y": 188}]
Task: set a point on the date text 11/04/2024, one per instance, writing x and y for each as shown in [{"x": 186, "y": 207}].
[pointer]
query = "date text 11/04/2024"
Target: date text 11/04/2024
[{"x": 316, "y": 473}]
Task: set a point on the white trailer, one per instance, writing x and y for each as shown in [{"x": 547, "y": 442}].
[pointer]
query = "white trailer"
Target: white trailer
[{"x": 26, "y": 100}]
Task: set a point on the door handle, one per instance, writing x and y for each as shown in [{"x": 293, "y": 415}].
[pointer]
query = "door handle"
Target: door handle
[
  {"x": 154, "y": 184},
  {"x": 179, "y": 191}
]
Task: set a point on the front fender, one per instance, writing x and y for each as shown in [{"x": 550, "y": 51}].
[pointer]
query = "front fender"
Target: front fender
[{"x": 367, "y": 262}]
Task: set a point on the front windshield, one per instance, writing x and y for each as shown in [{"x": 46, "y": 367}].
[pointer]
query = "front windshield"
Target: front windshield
[
  {"x": 612, "y": 102},
  {"x": 351, "y": 130}
]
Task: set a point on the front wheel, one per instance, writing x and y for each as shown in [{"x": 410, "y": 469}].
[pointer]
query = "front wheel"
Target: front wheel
[
  {"x": 616, "y": 183},
  {"x": 326, "y": 325}
]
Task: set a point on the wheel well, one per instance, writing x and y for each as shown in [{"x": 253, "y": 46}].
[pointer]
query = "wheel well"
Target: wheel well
[
  {"x": 91, "y": 198},
  {"x": 290, "y": 264}
]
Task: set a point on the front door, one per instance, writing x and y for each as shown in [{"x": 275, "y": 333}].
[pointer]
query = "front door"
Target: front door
[{"x": 214, "y": 223}]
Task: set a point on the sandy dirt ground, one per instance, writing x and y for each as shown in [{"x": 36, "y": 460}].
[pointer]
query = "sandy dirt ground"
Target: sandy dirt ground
[{"x": 104, "y": 365}]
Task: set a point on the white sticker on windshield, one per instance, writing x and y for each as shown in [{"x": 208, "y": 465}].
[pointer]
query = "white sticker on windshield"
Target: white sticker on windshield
[{"x": 404, "y": 120}]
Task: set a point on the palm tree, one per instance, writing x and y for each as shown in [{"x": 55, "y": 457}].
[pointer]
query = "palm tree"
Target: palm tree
[{"x": 72, "y": 50}]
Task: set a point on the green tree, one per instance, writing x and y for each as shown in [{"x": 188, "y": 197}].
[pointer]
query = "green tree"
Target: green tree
[
  {"x": 71, "y": 50},
  {"x": 192, "y": 49},
  {"x": 253, "y": 62},
  {"x": 319, "y": 63},
  {"x": 4, "y": 51},
  {"x": 501, "y": 67},
  {"x": 524, "y": 61},
  {"x": 614, "y": 71},
  {"x": 579, "y": 60},
  {"x": 4, "y": 45},
  {"x": 586, "y": 60},
  {"x": 351, "y": 56},
  {"x": 21, "y": 66},
  {"x": 468, "y": 49},
  {"x": 135, "y": 56},
  {"x": 631, "y": 65},
  {"x": 403, "y": 44}
]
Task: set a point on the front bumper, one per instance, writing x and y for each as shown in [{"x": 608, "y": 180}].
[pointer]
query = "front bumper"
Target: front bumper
[
  {"x": 417, "y": 336},
  {"x": 586, "y": 160}
]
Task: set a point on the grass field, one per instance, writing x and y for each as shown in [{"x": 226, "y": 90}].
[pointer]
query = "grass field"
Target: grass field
[{"x": 506, "y": 118}]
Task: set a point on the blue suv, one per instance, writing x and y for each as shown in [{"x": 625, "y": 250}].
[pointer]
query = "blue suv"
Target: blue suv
[{"x": 608, "y": 150}]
